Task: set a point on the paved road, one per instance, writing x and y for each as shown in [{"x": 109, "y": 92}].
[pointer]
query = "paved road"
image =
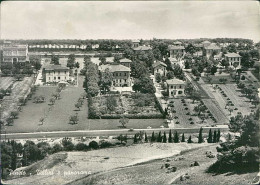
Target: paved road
[{"x": 95, "y": 133}]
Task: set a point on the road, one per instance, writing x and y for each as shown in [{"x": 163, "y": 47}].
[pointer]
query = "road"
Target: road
[{"x": 95, "y": 133}]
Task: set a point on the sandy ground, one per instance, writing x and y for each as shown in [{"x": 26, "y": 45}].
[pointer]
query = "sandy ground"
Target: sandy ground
[{"x": 80, "y": 164}]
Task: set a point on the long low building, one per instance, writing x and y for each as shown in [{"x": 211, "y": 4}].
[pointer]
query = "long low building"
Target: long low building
[{"x": 55, "y": 73}]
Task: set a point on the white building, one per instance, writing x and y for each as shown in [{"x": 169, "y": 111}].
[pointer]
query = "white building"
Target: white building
[
  {"x": 175, "y": 88},
  {"x": 233, "y": 58},
  {"x": 55, "y": 73}
]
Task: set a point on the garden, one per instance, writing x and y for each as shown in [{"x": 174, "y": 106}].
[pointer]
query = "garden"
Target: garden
[{"x": 133, "y": 105}]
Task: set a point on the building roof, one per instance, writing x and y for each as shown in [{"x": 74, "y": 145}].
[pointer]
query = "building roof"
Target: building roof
[
  {"x": 125, "y": 60},
  {"x": 159, "y": 63},
  {"x": 171, "y": 47},
  {"x": 114, "y": 68},
  {"x": 55, "y": 68},
  {"x": 232, "y": 55},
  {"x": 142, "y": 48},
  {"x": 212, "y": 47},
  {"x": 173, "y": 59},
  {"x": 177, "y": 42},
  {"x": 174, "y": 81},
  {"x": 206, "y": 42},
  {"x": 136, "y": 40}
]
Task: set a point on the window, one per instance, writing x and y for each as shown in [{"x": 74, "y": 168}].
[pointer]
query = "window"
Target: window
[
  {"x": 180, "y": 86},
  {"x": 179, "y": 92},
  {"x": 116, "y": 74},
  {"x": 54, "y": 72},
  {"x": 65, "y": 72},
  {"x": 54, "y": 78},
  {"x": 171, "y": 86},
  {"x": 119, "y": 74},
  {"x": 174, "y": 87},
  {"x": 59, "y": 78},
  {"x": 125, "y": 74},
  {"x": 125, "y": 80}
]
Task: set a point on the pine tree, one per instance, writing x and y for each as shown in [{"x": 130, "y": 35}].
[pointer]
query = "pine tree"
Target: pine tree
[
  {"x": 170, "y": 137},
  {"x": 153, "y": 137},
  {"x": 13, "y": 159},
  {"x": 189, "y": 140},
  {"x": 210, "y": 136},
  {"x": 200, "y": 139},
  {"x": 215, "y": 136},
  {"x": 164, "y": 137},
  {"x": 183, "y": 138},
  {"x": 135, "y": 139},
  {"x": 218, "y": 135},
  {"x": 145, "y": 137},
  {"x": 176, "y": 137},
  {"x": 159, "y": 138},
  {"x": 24, "y": 160}
]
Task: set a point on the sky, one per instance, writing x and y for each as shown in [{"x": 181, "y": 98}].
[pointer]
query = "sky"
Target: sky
[{"x": 130, "y": 20}]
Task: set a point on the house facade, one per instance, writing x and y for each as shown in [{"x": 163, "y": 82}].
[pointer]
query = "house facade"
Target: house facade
[
  {"x": 159, "y": 67},
  {"x": 125, "y": 62},
  {"x": 121, "y": 74},
  {"x": 211, "y": 49},
  {"x": 175, "y": 88},
  {"x": 55, "y": 73},
  {"x": 15, "y": 53},
  {"x": 176, "y": 50},
  {"x": 233, "y": 58},
  {"x": 135, "y": 43}
]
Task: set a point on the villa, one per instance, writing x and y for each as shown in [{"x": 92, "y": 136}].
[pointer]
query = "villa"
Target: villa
[
  {"x": 233, "y": 58},
  {"x": 159, "y": 67},
  {"x": 175, "y": 88},
  {"x": 55, "y": 73}
]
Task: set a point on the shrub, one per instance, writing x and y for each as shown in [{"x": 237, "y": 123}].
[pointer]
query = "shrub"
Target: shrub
[
  {"x": 188, "y": 113},
  {"x": 93, "y": 145},
  {"x": 106, "y": 144},
  {"x": 192, "y": 123},
  {"x": 243, "y": 77},
  {"x": 81, "y": 147},
  {"x": 67, "y": 144}
]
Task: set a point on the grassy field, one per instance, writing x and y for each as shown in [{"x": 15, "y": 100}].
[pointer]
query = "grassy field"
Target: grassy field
[
  {"x": 215, "y": 79},
  {"x": 5, "y": 82},
  {"x": 57, "y": 115}
]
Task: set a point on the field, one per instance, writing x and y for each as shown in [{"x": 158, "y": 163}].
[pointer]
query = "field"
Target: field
[
  {"x": 183, "y": 120},
  {"x": 5, "y": 82},
  {"x": 19, "y": 89},
  {"x": 105, "y": 159},
  {"x": 215, "y": 79},
  {"x": 57, "y": 115}
]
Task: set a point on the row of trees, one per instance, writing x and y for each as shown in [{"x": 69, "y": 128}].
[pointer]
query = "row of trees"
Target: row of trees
[{"x": 175, "y": 138}]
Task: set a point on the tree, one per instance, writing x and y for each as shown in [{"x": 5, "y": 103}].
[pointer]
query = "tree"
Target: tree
[
  {"x": 78, "y": 105},
  {"x": 106, "y": 80},
  {"x": 135, "y": 138},
  {"x": 170, "y": 75},
  {"x": 218, "y": 136},
  {"x": 170, "y": 137},
  {"x": 159, "y": 138},
  {"x": 189, "y": 140},
  {"x": 52, "y": 101},
  {"x": 13, "y": 159},
  {"x": 210, "y": 136},
  {"x": 164, "y": 138},
  {"x": 195, "y": 96},
  {"x": 9, "y": 121},
  {"x": 200, "y": 139},
  {"x": 74, "y": 119},
  {"x": 224, "y": 63},
  {"x": 71, "y": 61},
  {"x": 176, "y": 137},
  {"x": 93, "y": 145},
  {"x": 145, "y": 137},
  {"x": 200, "y": 108},
  {"x": 183, "y": 138},
  {"x": 223, "y": 80},
  {"x": 215, "y": 136},
  {"x": 67, "y": 144},
  {"x": 144, "y": 85},
  {"x": 41, "y": 120},
  {"x": 123, "y": 121},
  {"x": 22, "y": 101},
  {"x": 153, "y": 137},
  {"x": 55, "y": 60},
  {"x": 14, "y": 114},
  {"x": 158, "y": 77}
]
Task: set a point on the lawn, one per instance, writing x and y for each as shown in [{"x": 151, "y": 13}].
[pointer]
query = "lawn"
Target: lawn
[
  {"x": 215, "y": 79},
  {"x": 5, "y": 82},
  {"x": 57, "y": 115}
]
